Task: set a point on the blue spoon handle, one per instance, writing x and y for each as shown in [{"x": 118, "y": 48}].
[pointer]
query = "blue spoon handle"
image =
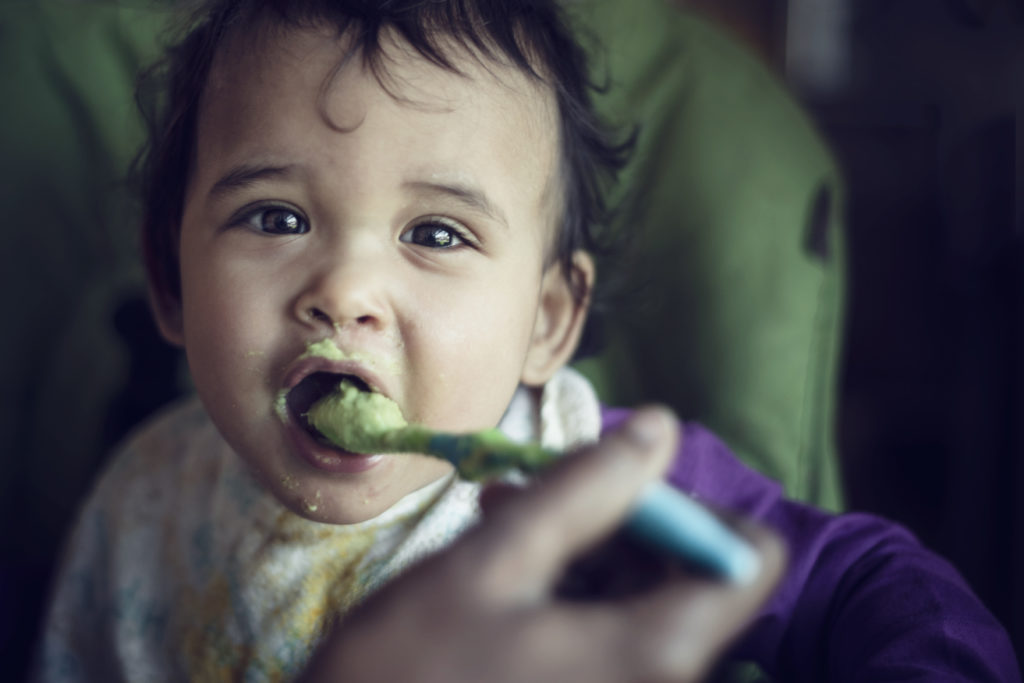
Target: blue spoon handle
[
  {"x": 672, "y": 521},
  {"x": 663, "y": 517}
]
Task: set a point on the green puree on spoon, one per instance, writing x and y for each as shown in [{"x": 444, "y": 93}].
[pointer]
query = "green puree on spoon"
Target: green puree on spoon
[{"x": 368, "y": 422}]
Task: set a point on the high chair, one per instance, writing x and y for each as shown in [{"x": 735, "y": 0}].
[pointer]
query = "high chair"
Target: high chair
[{"x": 731, "y": 311}]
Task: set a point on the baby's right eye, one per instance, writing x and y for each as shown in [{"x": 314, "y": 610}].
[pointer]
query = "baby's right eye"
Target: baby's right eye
[{"x": 275, "y": 220}]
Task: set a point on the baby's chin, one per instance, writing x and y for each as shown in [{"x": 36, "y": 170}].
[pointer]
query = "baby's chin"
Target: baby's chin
[
  {"x": 350, "y": 505},
  {"x": 325, "y": 510}
]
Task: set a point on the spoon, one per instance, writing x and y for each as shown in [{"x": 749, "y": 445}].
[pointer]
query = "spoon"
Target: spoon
[{"x": 368, "y": 422}]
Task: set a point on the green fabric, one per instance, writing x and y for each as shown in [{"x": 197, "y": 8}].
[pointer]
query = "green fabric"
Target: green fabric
[
  {"x": 734, "y": 322},
  {"x": 731, "y": 319},
  {"x": 739, "y": 326},
  {"x": 69, "y": 132}
]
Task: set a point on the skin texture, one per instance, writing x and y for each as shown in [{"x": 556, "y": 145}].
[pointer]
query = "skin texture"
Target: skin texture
[
  {"x": 486, "y": 609},
  {"x": 452, "y": 322}
]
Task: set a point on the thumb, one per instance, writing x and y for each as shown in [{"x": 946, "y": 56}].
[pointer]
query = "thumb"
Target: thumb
[{"x": 530, "y": 536}]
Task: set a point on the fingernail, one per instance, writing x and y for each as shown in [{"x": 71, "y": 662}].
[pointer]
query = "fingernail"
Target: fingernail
[{"x": 646, "y": 427}]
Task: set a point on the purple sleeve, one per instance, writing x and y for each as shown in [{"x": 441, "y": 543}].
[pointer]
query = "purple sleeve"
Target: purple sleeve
[{"x": 861, "y": 600}]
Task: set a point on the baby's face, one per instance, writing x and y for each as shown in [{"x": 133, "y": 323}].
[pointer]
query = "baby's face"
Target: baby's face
[{"x": 409, "y": 228}]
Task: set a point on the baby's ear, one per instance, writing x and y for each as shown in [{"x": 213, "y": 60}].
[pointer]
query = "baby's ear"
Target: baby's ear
[
  {"x": 169, "y": 321},
  {"x": 560, "y": 319}
]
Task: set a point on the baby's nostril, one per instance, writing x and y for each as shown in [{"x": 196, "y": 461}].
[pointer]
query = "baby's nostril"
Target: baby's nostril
[{"x": 317, "y": 314}]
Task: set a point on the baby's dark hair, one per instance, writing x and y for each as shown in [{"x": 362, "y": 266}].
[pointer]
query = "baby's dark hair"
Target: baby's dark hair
[{"x": 531, "y": 35}]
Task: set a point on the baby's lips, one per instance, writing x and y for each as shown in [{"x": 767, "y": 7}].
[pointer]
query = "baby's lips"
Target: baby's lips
[{"x": 307, "y": 366}]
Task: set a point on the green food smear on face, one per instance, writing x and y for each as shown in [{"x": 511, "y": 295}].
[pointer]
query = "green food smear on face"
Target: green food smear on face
[
  {"x": 325, "y": 348},
  {"x": 281, "y": 405}
]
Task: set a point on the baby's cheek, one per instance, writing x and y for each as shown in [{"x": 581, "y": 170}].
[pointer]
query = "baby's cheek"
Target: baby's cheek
[
  {"x": 467, "y": 351},
  {"x": 468, "y": 384}
]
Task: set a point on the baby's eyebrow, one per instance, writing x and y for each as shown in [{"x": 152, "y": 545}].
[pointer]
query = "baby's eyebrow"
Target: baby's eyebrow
[
  {"x": 473, "y": 197},
  {"x": 245, "y": 174}
]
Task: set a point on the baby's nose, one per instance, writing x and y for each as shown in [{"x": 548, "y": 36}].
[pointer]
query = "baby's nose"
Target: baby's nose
[{"x": 344, "y": 292}]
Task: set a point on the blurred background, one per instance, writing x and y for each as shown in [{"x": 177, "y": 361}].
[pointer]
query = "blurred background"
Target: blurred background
[{"x": 922, "y": 102}]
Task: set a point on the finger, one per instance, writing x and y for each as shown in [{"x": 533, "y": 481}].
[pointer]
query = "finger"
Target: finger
[
  {"x": 675, "y": 634},
  {"x": 678, "y": 632},
  {"x": 494, "y": 493},
  {"x": 530, "y": 536}
]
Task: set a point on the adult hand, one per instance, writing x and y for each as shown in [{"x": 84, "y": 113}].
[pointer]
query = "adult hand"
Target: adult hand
[{"x": 485, "y": 609}]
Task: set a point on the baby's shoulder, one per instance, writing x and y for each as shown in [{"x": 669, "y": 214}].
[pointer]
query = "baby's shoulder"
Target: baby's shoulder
[
  {"x": 179, "y": 435},
  {"x": 139, "y": 541},
  {"x": 163, "y": 463},
  {"x": 160, "y": 489}
]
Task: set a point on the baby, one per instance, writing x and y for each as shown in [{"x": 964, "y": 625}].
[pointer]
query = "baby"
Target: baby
[{"x": 405, "y": 194}]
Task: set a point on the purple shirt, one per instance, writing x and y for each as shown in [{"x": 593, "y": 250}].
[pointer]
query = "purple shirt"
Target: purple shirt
[{"x": 861, "y": 599}]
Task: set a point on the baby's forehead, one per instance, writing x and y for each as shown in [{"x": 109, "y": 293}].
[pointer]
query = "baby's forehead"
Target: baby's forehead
[
  {"x": 326, "y": 54},
  {"x": 321, "y": 69}
]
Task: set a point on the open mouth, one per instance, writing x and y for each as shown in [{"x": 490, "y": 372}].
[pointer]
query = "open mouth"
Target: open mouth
[{"x": 311, "y": 389}]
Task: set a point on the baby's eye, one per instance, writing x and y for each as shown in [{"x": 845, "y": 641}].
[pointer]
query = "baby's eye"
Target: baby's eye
[
  {"x": 433, "y": 234},
  {"x": 276, "y": 220}
]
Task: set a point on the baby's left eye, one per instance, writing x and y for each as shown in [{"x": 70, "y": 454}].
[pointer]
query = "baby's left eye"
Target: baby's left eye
[{"x": 435, "y": 235}]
